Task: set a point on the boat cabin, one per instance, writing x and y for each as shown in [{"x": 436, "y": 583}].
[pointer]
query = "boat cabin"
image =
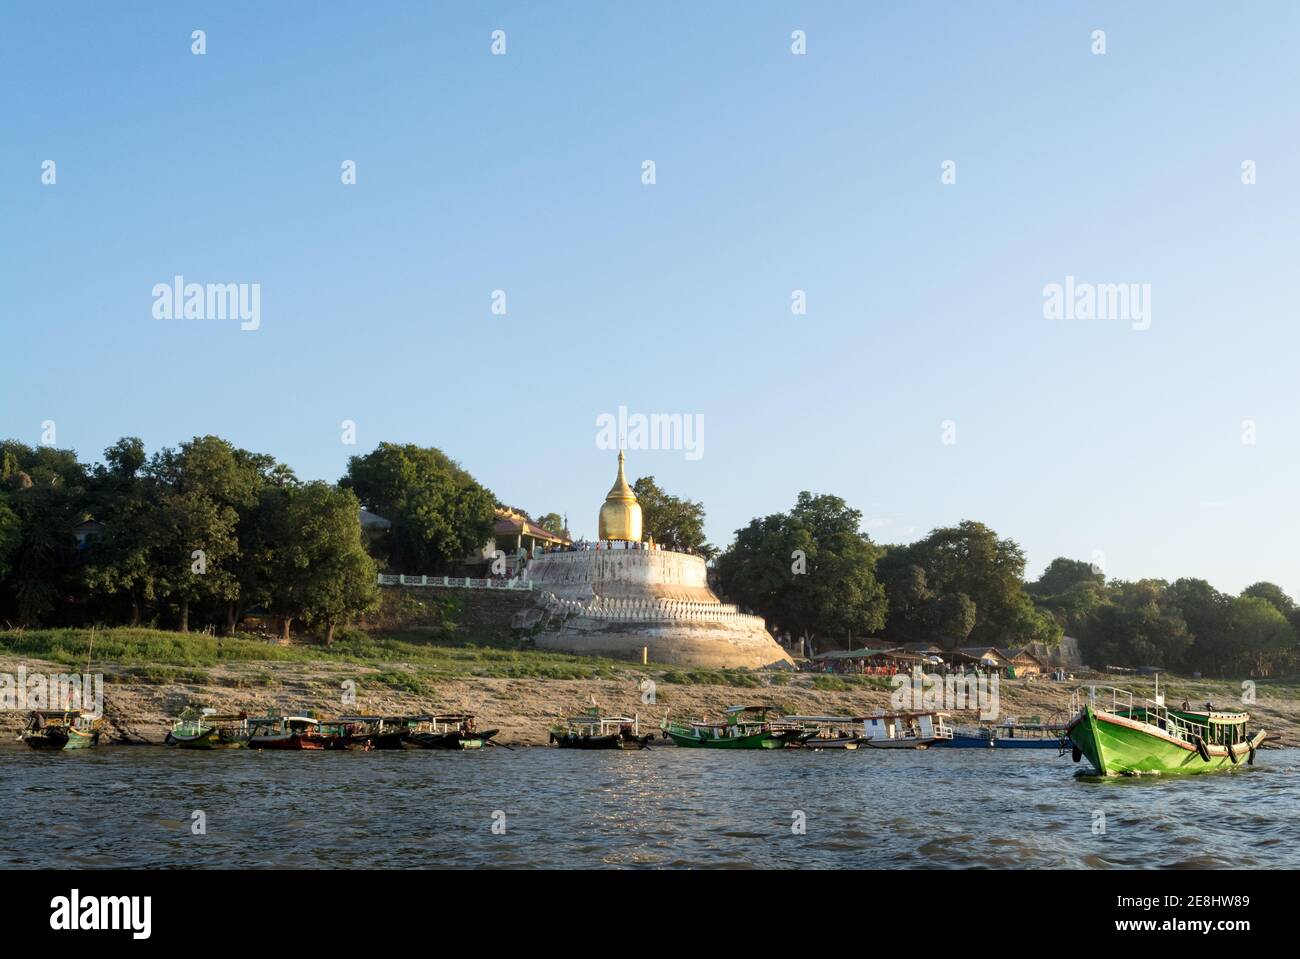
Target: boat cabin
[{"x": 905, "y": 727}]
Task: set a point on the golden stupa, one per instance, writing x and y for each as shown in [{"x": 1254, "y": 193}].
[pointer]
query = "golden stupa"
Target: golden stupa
[{"x": 620, "y": 516}]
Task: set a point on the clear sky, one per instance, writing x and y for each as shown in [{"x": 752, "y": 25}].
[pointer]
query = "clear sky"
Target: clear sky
[{"x": 774, "y": 172}]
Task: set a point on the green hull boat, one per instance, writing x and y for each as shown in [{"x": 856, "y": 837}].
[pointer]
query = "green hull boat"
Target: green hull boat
[
  {"x": 686, "y": 736},
  {"x": 1127, "y": 740},
  {"x": 744, "y": 727},
  {"x": 60, "y": 731}
]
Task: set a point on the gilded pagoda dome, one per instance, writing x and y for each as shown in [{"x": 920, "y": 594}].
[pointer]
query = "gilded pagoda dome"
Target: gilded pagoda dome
[{"x": 620, "y": 516}]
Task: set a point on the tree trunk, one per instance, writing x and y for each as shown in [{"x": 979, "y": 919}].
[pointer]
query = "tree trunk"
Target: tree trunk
[
  {"x": 285, "y": 622},
  {"x": 185, "y": 615},
  {"x": 135, "y": 610},
  {"x": 232, "y": 618},
  {"x": 329, "y": 634}
]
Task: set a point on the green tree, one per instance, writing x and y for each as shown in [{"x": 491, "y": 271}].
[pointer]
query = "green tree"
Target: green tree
[
  {"x": 440, "y": 513},
  {"x": 122, "y": 562},
  {"x": 202, "y": 487},
  {"x": 1273, "y": 594},
  {"x": 319, "y": 570},
  {"x": 809, "y": 572},
  {"x": 1064, "y": 574},
  {"x": 962, "y": 584},
  {"x": 1259, "y": 637},
  {"x": 45, "y": 498},
  {"x": 553, "y": 523},
  {"x": 10, "y": 535},
  {"x": 675, "y": 523}
]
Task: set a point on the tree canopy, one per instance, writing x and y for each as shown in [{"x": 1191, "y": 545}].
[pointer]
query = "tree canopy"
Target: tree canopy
[
  {"x": 809, "y": 572},
  {"x": 440, "y": 513},
  {"x": 675, "y": 523}
]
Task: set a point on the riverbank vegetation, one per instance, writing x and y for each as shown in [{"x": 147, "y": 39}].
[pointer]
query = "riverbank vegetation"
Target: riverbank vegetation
[{"x": 201, "y": 535}]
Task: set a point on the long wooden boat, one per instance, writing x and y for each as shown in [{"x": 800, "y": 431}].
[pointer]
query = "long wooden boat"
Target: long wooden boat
[
  {"x": 289, "y": 732},
  {"x": 828, "y": 732},
  {"x": 209, "y": 730},
  {"x": 68, "y": 729},
  {"x": 1009, "y": 735},
  {"x": 451, "y": 731},
  {"x": 594, "y": 731},
  {"x": 1120, "y": 738},
  {"x": 743, "y": 727},
  {"x": 378, "y": 732}
]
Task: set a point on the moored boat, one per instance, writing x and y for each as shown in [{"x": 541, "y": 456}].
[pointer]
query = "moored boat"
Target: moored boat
[
  {"x": 289, "y": 732},
  {"x": 1009, "y": 735},
  {"x": 1120, "y": 738},
  {"x": 594, "y": 731},
  {"x": 827, "y": 732},
  {"x": 450, "y": 731},
  {"x": 743, "y": 727},
  {"x": 912, "y": 730},
  {"x": 377, "y": 732},
  {"x": 208, "y": 729},
  {"x": 67, "y": 729}
]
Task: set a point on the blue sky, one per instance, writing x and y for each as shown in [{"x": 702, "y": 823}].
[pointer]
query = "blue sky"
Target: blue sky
[{"x": 775, "y": 172}]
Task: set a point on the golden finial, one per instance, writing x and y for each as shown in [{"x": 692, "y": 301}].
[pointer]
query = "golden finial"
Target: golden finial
[{"x": 620, "y": 516}]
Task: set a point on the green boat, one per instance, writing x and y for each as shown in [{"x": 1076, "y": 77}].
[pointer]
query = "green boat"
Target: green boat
[
  {"x": 743, "y": 727},
  {"x": 206, "y": 729},
  {"x": 61, "y": 730},
  {"x": 1121, "y": 739}
]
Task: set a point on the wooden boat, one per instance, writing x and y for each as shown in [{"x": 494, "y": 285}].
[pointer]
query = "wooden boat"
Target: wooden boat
[
  {"x": 828, "y": 732},
  {"x": 208, "y": 730},
  {"x": 377, "y": 732},
  {"x": 1009, "y": 735},
  {"x": 1120, "y": 738},
  {"x": 594, "y": 731},
  {"x": 743, "y": 727},
  {"x": 913, "y": 730},
  {"x": 289, "y": 732},
  {"x": 68, "y": 729},
  {"x": 450, "y": 731}
]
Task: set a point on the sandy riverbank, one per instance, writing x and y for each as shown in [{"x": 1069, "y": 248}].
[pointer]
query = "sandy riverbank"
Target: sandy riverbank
[{"x": 523, "y": 708}]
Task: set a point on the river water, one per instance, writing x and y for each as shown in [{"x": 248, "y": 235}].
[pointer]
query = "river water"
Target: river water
[{"x": 135, "y": 807}]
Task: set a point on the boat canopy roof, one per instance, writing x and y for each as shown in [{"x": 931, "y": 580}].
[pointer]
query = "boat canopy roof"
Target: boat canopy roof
[
  {"x": 1214, "y": 716},
  {"x": 823, "y": 719}
]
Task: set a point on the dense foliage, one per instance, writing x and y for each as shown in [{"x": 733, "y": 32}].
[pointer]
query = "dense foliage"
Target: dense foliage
[
  {"x": 810, "y": 572},
  {"x": 674, "y": 523},
  {"x": 440, "y": 514},
  {"x": 197, "y": 535},
  {"x": 194, "y": 535}
]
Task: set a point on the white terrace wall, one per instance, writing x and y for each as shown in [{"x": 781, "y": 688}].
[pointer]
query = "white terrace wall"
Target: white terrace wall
[{"x": 622, "y": 574}]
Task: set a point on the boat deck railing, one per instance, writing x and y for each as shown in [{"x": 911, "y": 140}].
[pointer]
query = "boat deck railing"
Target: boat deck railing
[{"x": 1153, "y": 713}]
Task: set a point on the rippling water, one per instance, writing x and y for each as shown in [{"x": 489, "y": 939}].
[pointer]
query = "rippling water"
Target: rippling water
[{"x": 664, "y": 807}]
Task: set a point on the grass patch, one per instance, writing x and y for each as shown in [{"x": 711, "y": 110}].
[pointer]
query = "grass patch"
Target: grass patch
[
  {"x": 713, "y": 677},
  {"x": 422, "y": 651},
  {"x": 831, "y": 684}
]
